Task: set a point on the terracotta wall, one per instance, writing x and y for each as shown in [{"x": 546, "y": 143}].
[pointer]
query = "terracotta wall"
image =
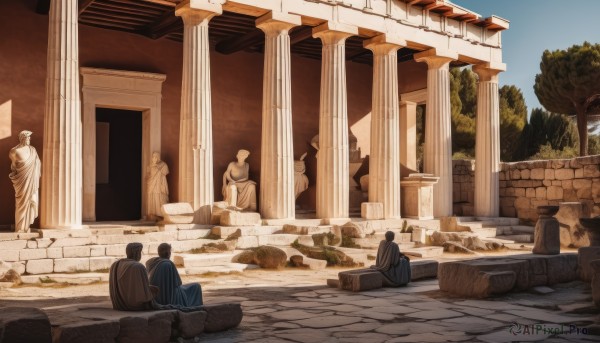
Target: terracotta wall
[
  {"x": 526, "y": 185},
  {"x": 236, "y": 93}
]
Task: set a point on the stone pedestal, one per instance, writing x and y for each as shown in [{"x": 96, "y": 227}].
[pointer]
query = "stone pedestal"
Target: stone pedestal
[
  {"x": 62, "y": 166},
  {"x": 585, "y": 256},
  {"x": 333, "y": 159},
  {"x": 571, "y": 233},
  {"x": 384, "y": 162},
  {"x": 196, "y": 184},
  {"x": 277, "y": 152},
  {"x": 547, "y": 232},
  {"x": 487, "y": 141},
  {"x": 418, "y": 196},
  {"x": 437, "y": 156}
]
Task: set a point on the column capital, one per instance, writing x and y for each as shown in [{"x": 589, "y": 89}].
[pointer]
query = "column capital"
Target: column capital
[
  {"x": 488, "y": 72},
  {"x": 195, "y": 12},
  {"x": 436, "y": 58},
  {"x": 277, "y": 22},
  {"x": 333, "y": 32},
  {"x": 384, "y": 44}
]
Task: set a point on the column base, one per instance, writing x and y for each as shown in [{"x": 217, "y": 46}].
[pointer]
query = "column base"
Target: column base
[{"x": 334, "y": 221}]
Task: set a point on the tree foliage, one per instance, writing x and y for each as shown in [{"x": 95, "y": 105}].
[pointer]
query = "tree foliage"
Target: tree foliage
[
  {"x": 568, "y": 83},
  {"x": 513, "y": 117},
  {"x": 463, "y": 101}
]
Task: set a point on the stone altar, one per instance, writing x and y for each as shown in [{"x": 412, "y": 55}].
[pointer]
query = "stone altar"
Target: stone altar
[
  {"x": 547, "y": 232},
  {"x": 417, "y": 195}
]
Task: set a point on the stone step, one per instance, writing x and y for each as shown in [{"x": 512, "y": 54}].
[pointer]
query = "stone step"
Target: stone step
[
  {"x": 203, "y": 260},
  {"x": 424, "y": 252},
  {"x": 520, "y": 246},
  {"x": 76, "y": 279},
  {"x": 484, "y": 232},
  {"x": 494, "y": 221},
  {"x": 192, "y": 234},
  {"x": 373, "y": 243},
  {"x": 226, "y": 231},
  {"x": 498, "y": 240},
  {"x": 222, "y": 268},
  {"x": 360, "y": 255},
  {"x": 306, "y": 230},
  {"x": 284, "y": 239},
  {"x": 523, "y": 238}
]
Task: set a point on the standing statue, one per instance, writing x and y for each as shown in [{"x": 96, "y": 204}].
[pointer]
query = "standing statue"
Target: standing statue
[
  {"x": 157, "y": 187},
  {"x": 300, "y": 179},
  {"x": 238, "y": 190},
  {"x": 25, "y": 175}
]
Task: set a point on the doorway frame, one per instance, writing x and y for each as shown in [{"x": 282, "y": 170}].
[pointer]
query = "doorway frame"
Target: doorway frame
[{"x": 125, "y": 90}]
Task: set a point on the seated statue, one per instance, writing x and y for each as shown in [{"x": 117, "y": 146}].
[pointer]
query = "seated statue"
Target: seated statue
[
  {"x": 128, "y": 281},
  {"x": 238, "y": 190},
  {"x": 394, "y": 265},
  {"x": 163, "y": 274}
]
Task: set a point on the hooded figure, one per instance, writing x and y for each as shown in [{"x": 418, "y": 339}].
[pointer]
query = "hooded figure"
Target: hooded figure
[
  {"x": 128, "y": 281},
  {"x": 394, "y": 265}
]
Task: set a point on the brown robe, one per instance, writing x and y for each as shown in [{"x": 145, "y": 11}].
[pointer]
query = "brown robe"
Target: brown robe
[{"x": 129, "y": 286}]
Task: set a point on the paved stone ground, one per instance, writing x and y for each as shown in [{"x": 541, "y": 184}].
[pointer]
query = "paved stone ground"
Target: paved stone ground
[{"x": 294, "y": 306}]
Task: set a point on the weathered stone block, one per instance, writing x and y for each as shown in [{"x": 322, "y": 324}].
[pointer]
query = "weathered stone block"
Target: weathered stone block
[
  {"x": 537, "y": 174},
  {"x": 554, "y": 193},
  {"x": 32, "y": 244},
  {"x": 371, "y": 210},
  {"x": 177, "y": 213},
  {"x": 77, "y": 251},
  {"x": 234, "y": 218},
  {"x": 591, "y": 170},
  {"x": 547, "y": 236},
  {"x": 32, "y": 254},
  {"x": 13, "y": 245},
  {"x": 24, "y": 324},
  {"x": 222, "y": 317},
  {"x": 70, "y": 242},
  {"x": 423, "y": 269},
  {"x": 562, "y": 268},
  {"x": 245, "y": 242},
  {"x": 71, "y": 265},
  {"x": 101, "y": 263},
  {"x": 579, "y": 173},
  {"x": 540, "y": 192},
  {"x": 116, "y": 250},
  {"x": 520, "y": 192},
  {"x": 564, "y": 174},
  {"x": 530, "y": 192},
  {"x": 55, "y": 252},
  {"x": 43, "y": 242},
  {"x": 360, "y": 280},
  {"x": 334, "y": 283},
  {"x": 525, "y": 174},
  {"x": 45, "y": 266},
  {"x": 515, "y": 174},
  {"x": 101, "y": 331},
  {"x": 190, "y": 324},
  {"x": 154, "y": 327},
  {"x": 96, "y": 251},
  {"x": 548, "y": 174},
  {"x": 9, "y": 255}
]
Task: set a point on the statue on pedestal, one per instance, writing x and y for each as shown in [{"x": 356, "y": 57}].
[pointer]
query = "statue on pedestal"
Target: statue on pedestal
[
  {"x": 157, "y": 187},
  {"x": 300, "y": 179},
  {"x": 238, "y": 189},
  {"x": 25, "y": 175}
]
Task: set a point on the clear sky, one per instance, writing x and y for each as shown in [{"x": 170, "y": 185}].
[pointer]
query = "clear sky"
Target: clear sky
[{"x": 537, "y": 25}]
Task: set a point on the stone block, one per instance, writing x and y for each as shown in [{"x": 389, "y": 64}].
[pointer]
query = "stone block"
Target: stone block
[
  {"x": 564, "y": 174},
  {"x": 591, "y": 170},
  {"x": 547, "y": 236},
  {"x": 154, "y": 327},
  {"x": 43, "y": 242},
  {"x": 582, "y": 183},
  {"x": 540, "y": 192},
  {"x": 537, "y": 174},
  {"x": 177, "y": 213},
  {"x": 525, "y": 174},
  {"x": 306, "y": 229},
  {"x": 101, "y": 263},
  {"x": 280, "y": 239},
  {"x": 585, "y": 256},
  {"x": 554, "y": 193},
  {"x": 371, "y": 210},
  {"x": 96, "y": 251},
  {"x": 530, "y": 193},
  {"x": 234, "y": 218},
  {"x": 419, "y": 235},
  {"x": 55, "y": 252},
  {"x": 520, "y": 192},
  {"x": 584, "y": 193},
  {"x": 360, "y": 280},
  {"x": 32, "y": 244},
  {"x": 71, "y": 265},
  {"x": 13, "y": 245},
  {"x": 9, "y": 255},
  {"x": 84, "y": 251},
  {"x": 334, "y": 283},
  {"x": 423, "y": 269},
  {"x": 492, "y": 283},
  {"x": 222, "y": 317},
  {"x": 32, "y": 254},
  {"x": 192, "y": 234},
  {"x": 424, "y": 252},
  {"x": 97, "y": 331},
  {"x": 190, "y": 324},
  {"x": 515, "y": 174},
  {"x": 116, "y": 250},
  {"x": 24, "y": 324},
  {"x": 245, "y": 242},
  {"x": 548, "y": 174},
  {"x": 307, "y": 262},
  {"x": 562, "y": 268},
  {"x": 579, "y": 173},
  {"x": 522, "y": 203},
  {"x": 70, "y": 242},
  {"x": 45, "y": 266}
]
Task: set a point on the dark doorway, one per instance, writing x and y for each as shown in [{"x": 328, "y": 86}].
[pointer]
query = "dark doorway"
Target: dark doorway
[{"x": 118, "y": 164}]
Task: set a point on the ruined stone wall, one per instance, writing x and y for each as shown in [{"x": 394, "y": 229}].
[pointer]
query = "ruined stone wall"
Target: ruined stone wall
[
  {"x": 462, "y": 188},
  {"x": 528, "y": 184}
]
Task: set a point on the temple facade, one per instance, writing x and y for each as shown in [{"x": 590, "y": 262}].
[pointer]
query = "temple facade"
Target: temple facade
[{"x": 103, "y": 84}]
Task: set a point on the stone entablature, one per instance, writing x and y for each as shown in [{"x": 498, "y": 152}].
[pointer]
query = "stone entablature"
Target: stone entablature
[
  {"x": 478, "y": 39},
  {"x": 526, "y": 185}
]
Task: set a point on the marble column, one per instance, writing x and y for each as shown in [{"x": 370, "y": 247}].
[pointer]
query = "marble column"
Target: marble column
[
  {"x": 408, "y": 138},
  {"x": 62, "y": 161},
  {"x": 384, "y": 163},
  {"x": 196, "y": 184},
  {"x": 487, "y": 141},
  {"x": 437, "y": 155},
  {"x": 277, "y": 200},
  {"x": 333, "y": 161}
]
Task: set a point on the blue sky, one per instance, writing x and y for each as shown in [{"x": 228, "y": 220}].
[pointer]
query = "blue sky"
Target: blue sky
[{"x": 537, "y": 25}]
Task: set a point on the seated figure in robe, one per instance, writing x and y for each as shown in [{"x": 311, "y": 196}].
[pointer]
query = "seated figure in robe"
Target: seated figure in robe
[
  {"x": 163, "y": 274},
  {"x": 128, "y": 281},
  {"x": 394, "y": 265},
  {"x": 238, "y": 190}
]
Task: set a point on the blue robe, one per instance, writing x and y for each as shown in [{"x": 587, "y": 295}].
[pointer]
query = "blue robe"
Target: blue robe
[
  {"x": 393, "y": 265},
  {"x": 163, "y": 274}
]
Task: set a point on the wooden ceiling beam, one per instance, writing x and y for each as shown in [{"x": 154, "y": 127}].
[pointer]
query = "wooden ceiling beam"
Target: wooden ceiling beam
[
  {"x": 84, "y": 4},
  {"x": 300, "y": 34},
  {"x": 240, "y": 42},
  {"x": 165, "y": 25}
]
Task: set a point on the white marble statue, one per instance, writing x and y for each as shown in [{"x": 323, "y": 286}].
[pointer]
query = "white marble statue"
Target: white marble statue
[
  {"x": 300, "y": 178},
  {"x": 238, "y": 189},
  {"x": 157, "y": 187},
  {"x": 25, "y": 176}
]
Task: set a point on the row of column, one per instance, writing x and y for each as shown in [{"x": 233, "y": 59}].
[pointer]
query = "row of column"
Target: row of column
[{"x": 61, "y": 178}]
